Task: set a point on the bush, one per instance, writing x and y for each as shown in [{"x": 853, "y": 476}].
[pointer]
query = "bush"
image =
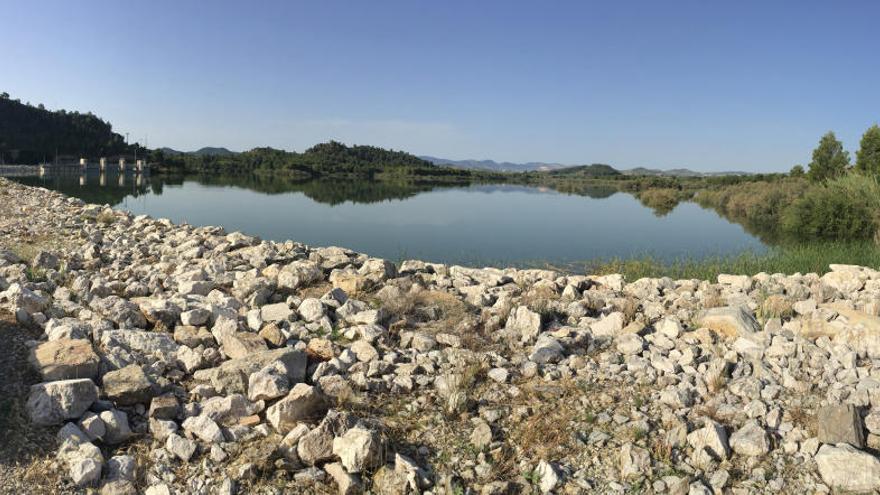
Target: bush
[
  {"x": 844, "y": 208},
  {"x": 756, "y": 204},
  {"x": 662, "y": 201}
]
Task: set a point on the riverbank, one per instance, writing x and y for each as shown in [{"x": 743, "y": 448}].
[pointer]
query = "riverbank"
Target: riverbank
[{"x": 192, "y": 360}]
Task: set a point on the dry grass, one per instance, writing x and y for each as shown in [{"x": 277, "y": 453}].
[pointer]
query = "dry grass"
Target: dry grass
[
  {"x": 799, "y": 416},
  {"x": 548, "y": 428}
]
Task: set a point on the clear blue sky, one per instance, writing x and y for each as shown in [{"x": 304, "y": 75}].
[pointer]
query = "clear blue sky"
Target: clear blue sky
[{"x": 708, "y": 85}]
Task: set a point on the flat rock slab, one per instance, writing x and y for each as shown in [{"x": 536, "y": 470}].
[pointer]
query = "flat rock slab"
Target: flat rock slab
[
  {"x": 840, "y": 424},
  {"x": 65, "y": 359}
]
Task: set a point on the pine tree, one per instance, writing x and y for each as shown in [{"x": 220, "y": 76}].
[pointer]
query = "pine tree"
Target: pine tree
[
  {"x": 830, "y": 160},
  {"x": 868, "y": 156}
]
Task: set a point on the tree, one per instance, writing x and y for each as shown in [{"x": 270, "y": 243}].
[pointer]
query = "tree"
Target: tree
[
  {"x": 868, "y": 156},
  {"x": 830, "y": 160},
  {"x": 797, "y": 171}
]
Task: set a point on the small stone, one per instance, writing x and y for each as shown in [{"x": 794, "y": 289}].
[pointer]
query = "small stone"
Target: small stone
[
  {"x": 164, "y": 407},
  {"x": 546, "y": 350},
  {"x": 548, "y": 476},
  {"x": 498, "y": 375},
  {"x": 750, "y": 440},
  {"x": 181, "y": 447},
  {"x": 242, "y": 344},
  {"x": 634, "y": 461},
  {"x": 204, "y": 428},
  {"x": 481, "y": 436},
  {"x": 303, "y": 402},
  {"x": 730, "y": 321},
  {"x": 359, "y": 449},
  {"x": 524, "y": 323},
  {"x": 348, "y": 484},
  {"x": 630, "y": 344},
  {"x": 116, "y": 426},
  {"x": 712, "y": 439},
  {"x": 275, "y": 312}
]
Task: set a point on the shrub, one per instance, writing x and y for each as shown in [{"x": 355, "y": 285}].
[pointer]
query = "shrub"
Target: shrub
[
  {"x": 662, "y": 200},
  {"x": 844, "y": 208}
]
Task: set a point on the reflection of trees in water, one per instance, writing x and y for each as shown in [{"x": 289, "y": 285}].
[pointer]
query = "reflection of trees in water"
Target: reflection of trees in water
[
  {"x": 330, "y": 191},
  {"x": 93, "y": 189},
  {"x": 595, "y": 191},
  {"x": 765, "y": 234}
]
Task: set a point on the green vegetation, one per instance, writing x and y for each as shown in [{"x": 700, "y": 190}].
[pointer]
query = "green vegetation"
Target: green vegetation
[
  {"x": 662, "y": 200},
  {"x": 868, "y": 156},
  {"x": 789, "y": 258},
  {"x": 845, "y": 208},
  {"x": 32, "y": 134},
  {"x": 830, "y": 160},
  {"x": 594, "y": 170},
  {"x": 326, "y": 159}
]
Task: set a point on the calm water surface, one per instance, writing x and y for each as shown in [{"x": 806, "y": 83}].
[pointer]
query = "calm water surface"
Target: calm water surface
[{"x": 480, "y": 224}]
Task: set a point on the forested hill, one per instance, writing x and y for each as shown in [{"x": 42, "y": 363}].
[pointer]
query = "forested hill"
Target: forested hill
[
  {"x": 332, "y": 158},
  {"x": 31, "y": 134}
]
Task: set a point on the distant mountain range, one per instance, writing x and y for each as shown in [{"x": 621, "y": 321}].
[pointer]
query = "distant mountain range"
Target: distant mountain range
[
  {"x": 546, "y": 167},
  {"x": 207, "y": 150},
  {"x": 493, "y": 165}
]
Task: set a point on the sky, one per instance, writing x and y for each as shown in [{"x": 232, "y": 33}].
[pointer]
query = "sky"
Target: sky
[{"x": 745, "y": 85}]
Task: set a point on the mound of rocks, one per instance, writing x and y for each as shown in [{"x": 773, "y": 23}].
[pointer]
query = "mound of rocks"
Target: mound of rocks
[{"x": 236, "y": 364}]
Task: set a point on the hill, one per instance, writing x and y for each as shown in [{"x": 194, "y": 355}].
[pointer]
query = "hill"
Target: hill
[
  {"x": 594, "y": 170},
  {"x": 30, "y": 134},
  {"x": 331, "y": 158},
  {"x": 493, "y": 165},
  {"x": 206, "y": 151}
]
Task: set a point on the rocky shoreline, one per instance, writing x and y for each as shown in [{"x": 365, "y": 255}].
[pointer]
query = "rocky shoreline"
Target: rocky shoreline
[{"x": 180, "y": 359}]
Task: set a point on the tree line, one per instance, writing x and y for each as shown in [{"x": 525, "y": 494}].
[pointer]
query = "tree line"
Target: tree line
[
  {"x": 31, "y": 134},
  {"x": 831, "y": 161}
]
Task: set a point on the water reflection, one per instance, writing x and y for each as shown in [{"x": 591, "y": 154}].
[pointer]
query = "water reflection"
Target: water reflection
[{"x": 462, "y": 223}]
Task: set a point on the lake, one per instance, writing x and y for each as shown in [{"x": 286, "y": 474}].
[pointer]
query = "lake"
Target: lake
[{"x": 475, "y": 225}]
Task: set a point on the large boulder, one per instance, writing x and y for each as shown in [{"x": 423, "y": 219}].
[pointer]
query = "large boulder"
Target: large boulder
[
  {"x": 51, "y": 403},
  {"x": 64, "y": 359},
  {"x": 843, "y": 467}
]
